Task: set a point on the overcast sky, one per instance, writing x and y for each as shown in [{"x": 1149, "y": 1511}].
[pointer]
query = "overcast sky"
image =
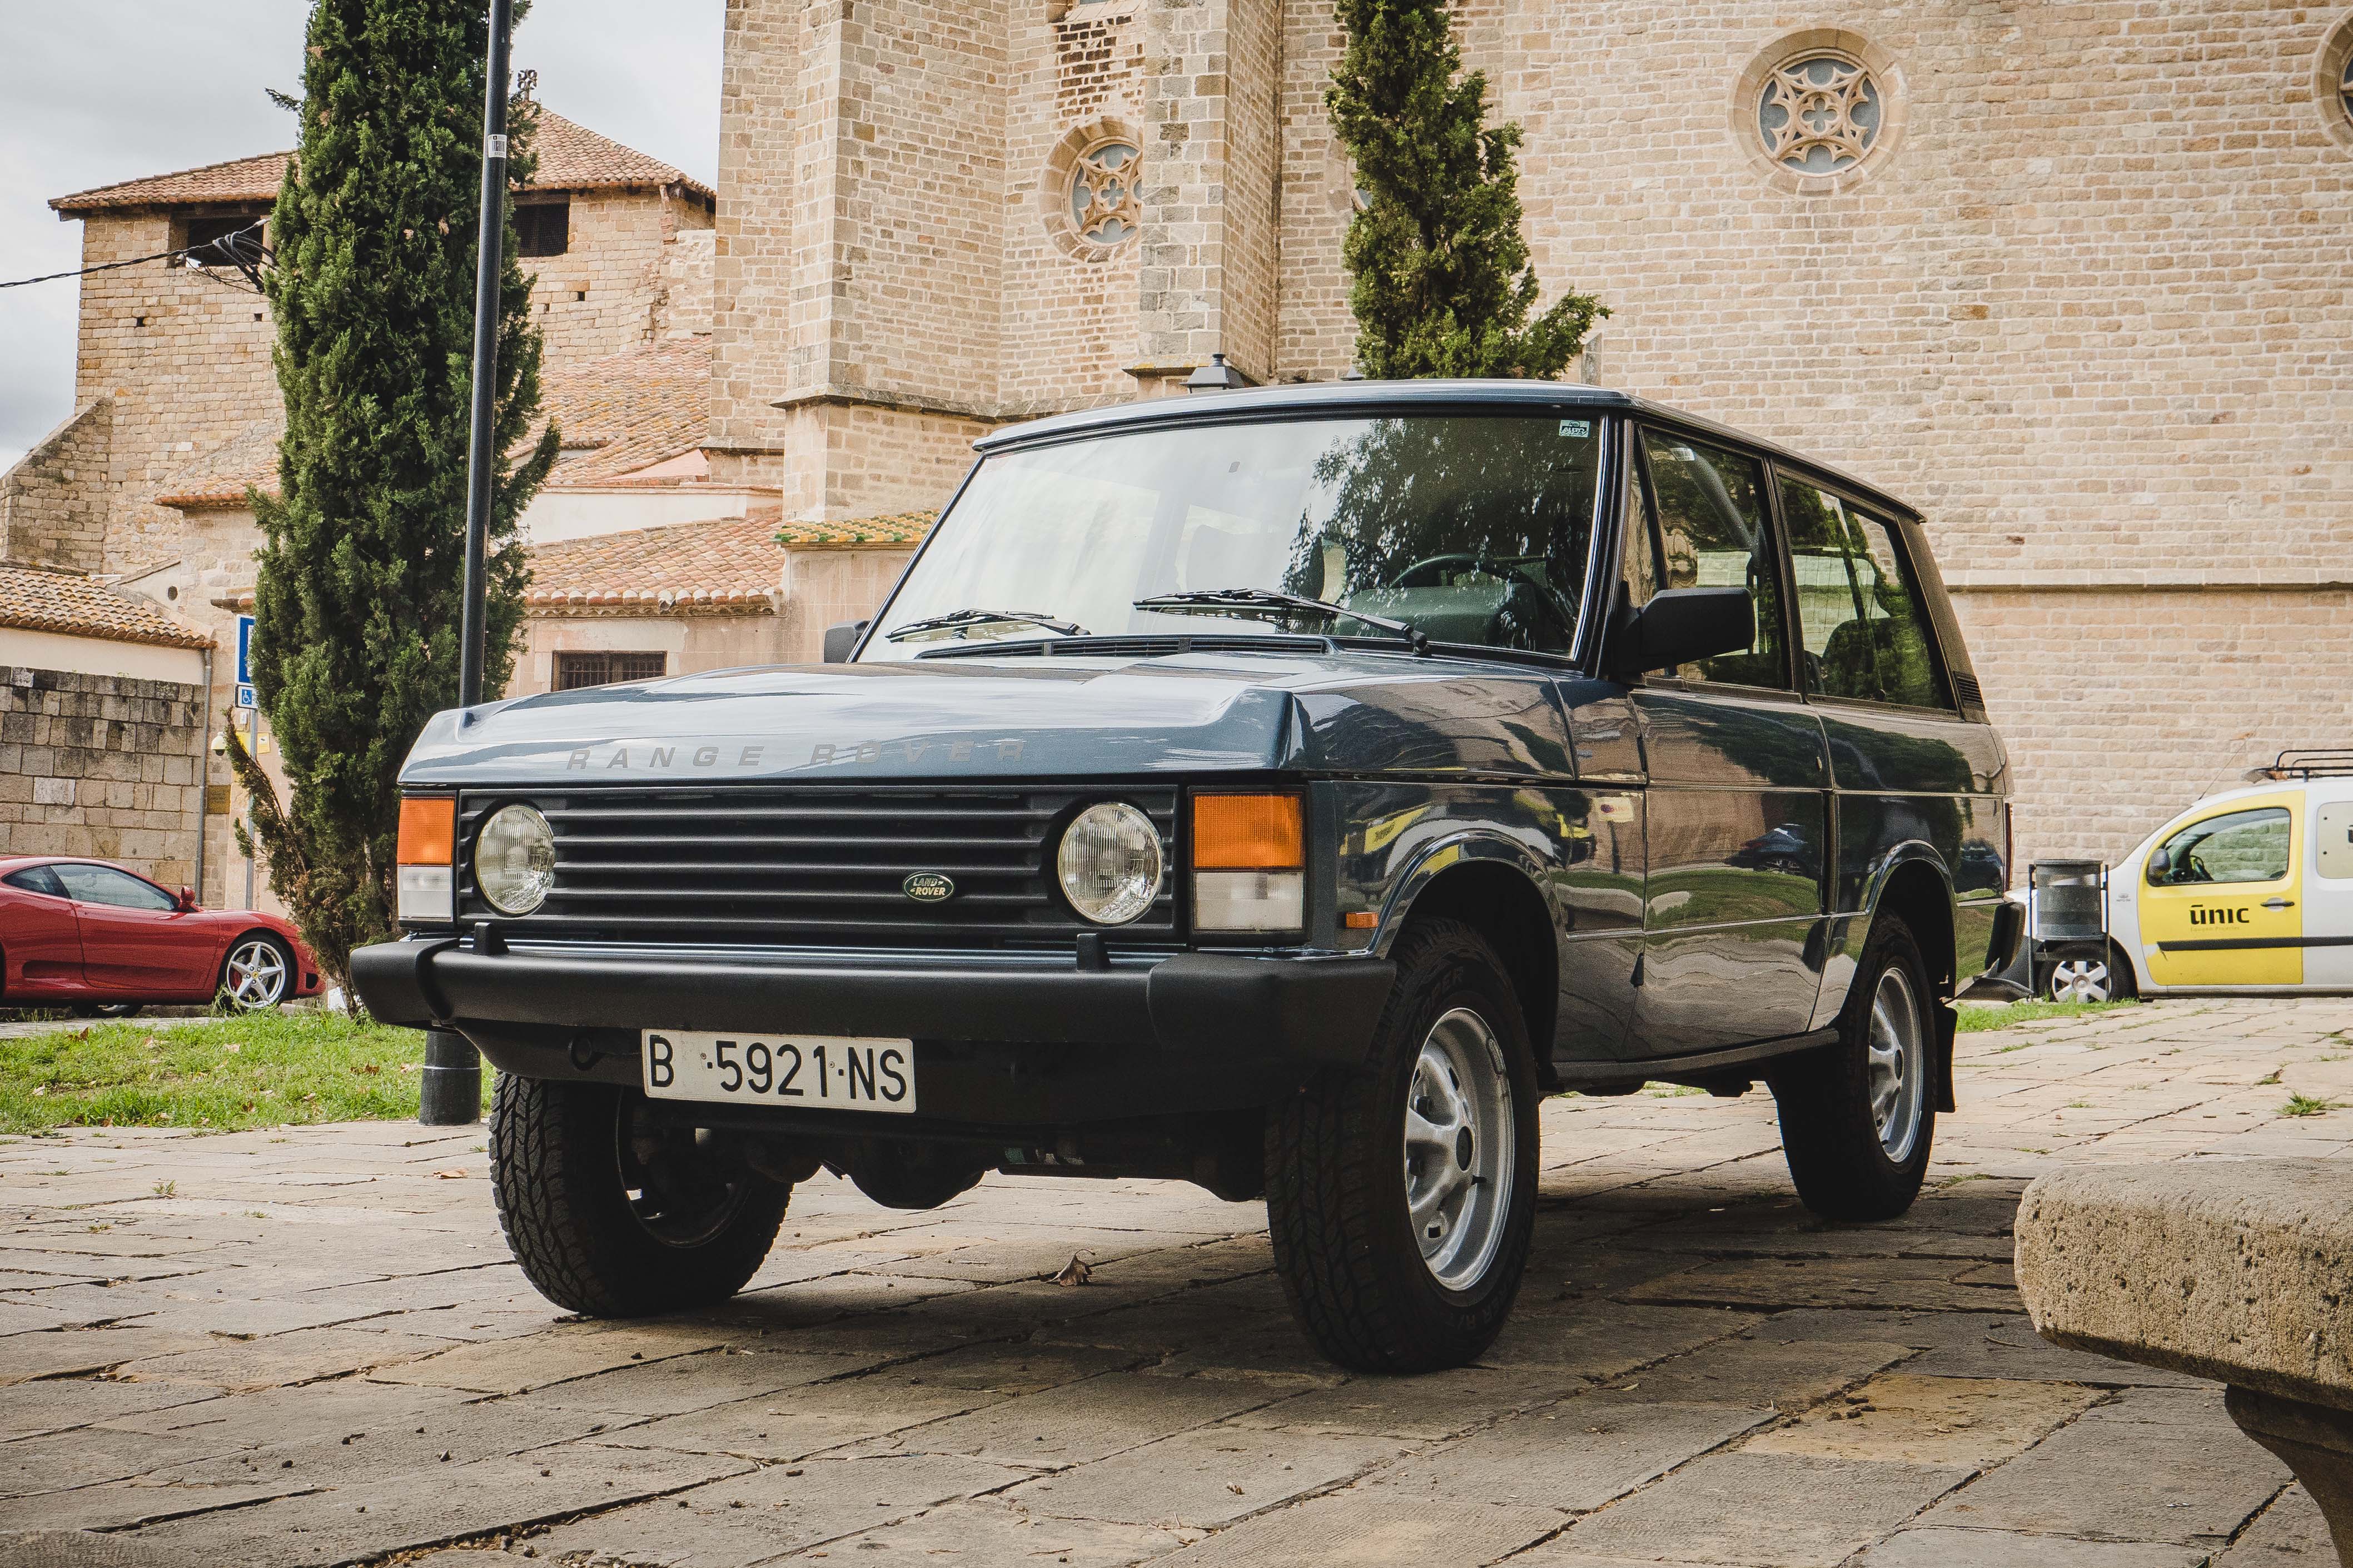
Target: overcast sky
[{"x": 104, "y": 90}]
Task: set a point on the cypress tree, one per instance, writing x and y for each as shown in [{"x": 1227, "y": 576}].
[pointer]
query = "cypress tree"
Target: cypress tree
[
  {"x": 361, "y": 570},
  {"x": 1442, "y": 281}
]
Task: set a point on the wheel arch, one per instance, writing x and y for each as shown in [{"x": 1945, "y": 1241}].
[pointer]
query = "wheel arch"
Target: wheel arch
[
  {"x": 1917, "y": 888},
  {"x": 1487, "y": 885},
  {"x": 293, "y": 957}
]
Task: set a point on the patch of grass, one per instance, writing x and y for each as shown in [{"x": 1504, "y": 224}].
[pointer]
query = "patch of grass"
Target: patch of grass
[
  {"x": 2306, "y": 1105},
  {"x": 1977, "y": 1019},
  {"x": 297, "y": 1064}
]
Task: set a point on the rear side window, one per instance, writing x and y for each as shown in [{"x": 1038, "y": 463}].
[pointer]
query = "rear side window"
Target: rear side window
[
  {"x": 1858, "y": 612},
  {"x": 1709, "y": 505},
  {"x": 35, "y": 879},
  {"x": 2238, "y": 846}
]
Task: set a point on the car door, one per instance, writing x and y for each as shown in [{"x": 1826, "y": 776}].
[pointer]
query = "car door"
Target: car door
[
  {"x": 1736, "y": 818},
  {"x": 135, "y": 939},
  {"x": 2328, "y": 895},
  {"x": 38, "y": 938},
  {"x": 2220, "y": 902},
  {"x": 1909, "y": 774}
]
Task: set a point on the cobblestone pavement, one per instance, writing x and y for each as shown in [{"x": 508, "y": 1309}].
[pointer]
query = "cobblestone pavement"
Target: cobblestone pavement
[{"x": 309, "y": 1347}]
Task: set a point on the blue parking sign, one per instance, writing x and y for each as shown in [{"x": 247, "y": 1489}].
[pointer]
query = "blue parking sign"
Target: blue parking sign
[
  {"x": 245, "y": 696},
  {"x": 244, "y": 657}
]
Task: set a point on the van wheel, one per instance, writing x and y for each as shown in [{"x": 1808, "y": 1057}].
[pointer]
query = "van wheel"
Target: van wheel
[
  {"x": 1401, "y": 1199},
  {"x": 615, "y": 1216},
  {"x": 1858, "y": 1118}
]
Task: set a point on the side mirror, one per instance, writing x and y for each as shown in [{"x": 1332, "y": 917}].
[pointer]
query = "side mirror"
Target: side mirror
[
  {"x": 1681, "y": 625},
  {"x": 842, "y": 641},
  {"x": 188, "y": 904}
]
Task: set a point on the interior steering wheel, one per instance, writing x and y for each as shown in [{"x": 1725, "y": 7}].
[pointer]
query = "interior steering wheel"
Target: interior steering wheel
[{"x": 1430, "y": 565}]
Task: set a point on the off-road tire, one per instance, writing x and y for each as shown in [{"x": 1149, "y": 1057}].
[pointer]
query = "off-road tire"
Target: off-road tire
[
  {"x": 1832, "y": 1145},
  {"x": 1343, "y": 1244},
  {"x": 556, "y": 1170}
]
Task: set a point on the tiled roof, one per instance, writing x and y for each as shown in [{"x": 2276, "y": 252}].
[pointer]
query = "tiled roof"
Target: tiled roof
[
  {"x": 730, "y": 564},
  {"x": 733, "y": 563},
  {"x": 571, "y": 158},
  {"x": 218, "y": 480},
  {"x": 901, "y": 528},
  {"x": 630, "y": 410},
  {"x": 76, "y": 607}
]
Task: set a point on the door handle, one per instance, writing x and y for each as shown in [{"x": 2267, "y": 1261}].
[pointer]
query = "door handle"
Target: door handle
[{"x": 2279, "y": 903}]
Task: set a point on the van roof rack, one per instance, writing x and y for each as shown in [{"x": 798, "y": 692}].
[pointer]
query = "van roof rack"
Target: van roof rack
[{"x": 2306, "y": 765}]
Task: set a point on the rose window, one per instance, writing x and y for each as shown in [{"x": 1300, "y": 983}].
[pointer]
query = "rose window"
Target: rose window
[
  {"x": 1103, "y": 204},
  {"x": 1819, "y": 114}
]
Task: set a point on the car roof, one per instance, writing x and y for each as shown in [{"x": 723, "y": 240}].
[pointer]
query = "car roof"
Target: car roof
[{"x": 1305, "y": 399}]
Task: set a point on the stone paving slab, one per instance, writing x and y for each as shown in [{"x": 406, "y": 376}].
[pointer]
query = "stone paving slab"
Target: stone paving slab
[{"x": 257, "y": 1348}]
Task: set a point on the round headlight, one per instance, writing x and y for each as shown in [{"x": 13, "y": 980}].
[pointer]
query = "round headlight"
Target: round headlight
[
  {"x": 514, "y": 859},
  {"x": 1109, "y": 863}
]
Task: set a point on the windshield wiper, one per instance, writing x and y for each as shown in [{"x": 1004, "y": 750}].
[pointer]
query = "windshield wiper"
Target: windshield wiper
[
  {"x": 958, "y": 620},
  {"x": 1268, "y": 600}
]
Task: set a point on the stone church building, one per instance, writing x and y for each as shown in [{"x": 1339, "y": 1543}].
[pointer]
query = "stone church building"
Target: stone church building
[{"x": 2071, "y": 278}]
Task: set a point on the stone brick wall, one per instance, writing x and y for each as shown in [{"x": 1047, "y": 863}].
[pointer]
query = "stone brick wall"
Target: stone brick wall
[
  {"x": 610, "y": 290},
  {"x": 2120, "y": 708},
  {"x": 101, "y": 766},
  {"x": 1067, "y": 333},
  {"x": 185, "y": 352},
  {"x": 53, "y": 502}
]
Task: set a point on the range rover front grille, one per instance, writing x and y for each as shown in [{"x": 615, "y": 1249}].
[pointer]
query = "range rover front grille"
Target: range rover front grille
[{"x": 792, "y": 865}]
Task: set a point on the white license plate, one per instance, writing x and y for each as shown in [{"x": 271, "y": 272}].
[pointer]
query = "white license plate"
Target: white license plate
[{"x": 843, "y": 1072}]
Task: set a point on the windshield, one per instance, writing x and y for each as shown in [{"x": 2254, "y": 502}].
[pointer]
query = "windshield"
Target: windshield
[{"x": 1468, "y": 528}]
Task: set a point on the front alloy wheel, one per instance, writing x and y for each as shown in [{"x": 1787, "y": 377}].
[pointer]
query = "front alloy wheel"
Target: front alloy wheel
[
  {"x": 1458, "y": 1162},
  {"x": 1400, "y": 1196},
  {"x": 258, "y": 974},
  {"x": 616, "y": 1211}
]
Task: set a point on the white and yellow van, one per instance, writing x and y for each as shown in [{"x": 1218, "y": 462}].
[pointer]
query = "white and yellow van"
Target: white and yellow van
[{"x": 2249, "y": 890}]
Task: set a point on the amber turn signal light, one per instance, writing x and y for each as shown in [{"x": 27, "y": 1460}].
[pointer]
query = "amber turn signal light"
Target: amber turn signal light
[
  {"x": 428, "y": 830},
  {"x": 1248, "y": 833}
]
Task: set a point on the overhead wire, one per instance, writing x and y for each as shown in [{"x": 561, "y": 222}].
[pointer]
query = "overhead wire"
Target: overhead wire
[{"x": 225, "y": 245}]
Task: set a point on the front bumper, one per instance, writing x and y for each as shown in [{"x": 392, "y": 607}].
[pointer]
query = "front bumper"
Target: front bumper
[{"x": 1307, "y": 1011}]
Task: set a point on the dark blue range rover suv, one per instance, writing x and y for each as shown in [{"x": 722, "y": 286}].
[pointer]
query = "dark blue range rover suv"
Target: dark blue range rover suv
[{"x": 1281, "y": 790}]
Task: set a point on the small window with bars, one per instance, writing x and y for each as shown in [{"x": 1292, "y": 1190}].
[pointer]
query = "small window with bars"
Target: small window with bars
[
  {"x": 574, "y": 670},
  {"x": 543, "y": 228}
]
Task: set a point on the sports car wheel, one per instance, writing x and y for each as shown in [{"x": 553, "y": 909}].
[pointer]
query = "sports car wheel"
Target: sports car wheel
[
  {"x": 258, "y": 972},
  {"x": 614, "y": 1213},
  {"x": 1401, "y": 1199}
]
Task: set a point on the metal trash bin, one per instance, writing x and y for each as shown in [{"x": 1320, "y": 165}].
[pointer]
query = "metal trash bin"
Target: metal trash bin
[
  {"x": 2067, "y": 918},
  {"x": 2068, "y": 901}
]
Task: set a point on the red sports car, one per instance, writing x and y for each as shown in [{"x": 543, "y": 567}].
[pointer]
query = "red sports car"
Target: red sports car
[{"x": 100, "y": 940}]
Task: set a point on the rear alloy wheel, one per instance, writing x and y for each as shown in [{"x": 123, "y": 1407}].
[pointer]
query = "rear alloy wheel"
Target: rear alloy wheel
[
  {"x": 1400, "y": 1198},
  {"x": 258, "y": 974},
  {"x": 615, "y": 1213},
  {"x": 1858, "y": 1118}
]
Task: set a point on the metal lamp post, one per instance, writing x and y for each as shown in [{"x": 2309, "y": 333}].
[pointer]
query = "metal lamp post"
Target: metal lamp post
[{"x": 451, "y": 1093}]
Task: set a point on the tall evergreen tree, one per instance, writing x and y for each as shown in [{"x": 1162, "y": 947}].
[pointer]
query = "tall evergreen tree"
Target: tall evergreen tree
[
  {"x": 363, "y": 561},
  {"x": 1442, "y": 281}
]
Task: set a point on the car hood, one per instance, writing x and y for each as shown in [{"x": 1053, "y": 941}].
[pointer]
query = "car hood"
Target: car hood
[{"x": 1012, "y": 717}]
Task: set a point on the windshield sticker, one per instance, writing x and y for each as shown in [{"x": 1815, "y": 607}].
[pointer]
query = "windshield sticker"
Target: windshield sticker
[{"x": 1580, "y": 428}]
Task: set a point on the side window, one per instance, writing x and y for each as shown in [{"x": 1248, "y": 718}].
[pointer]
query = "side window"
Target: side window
[
  {"x": 35, "y": 879},
  {"x": 104, "y": 885},
  {"x": 2238, "y": 846},
  {"x": 1713, "y": 534},
  {"x": 1858, "y": 613}
]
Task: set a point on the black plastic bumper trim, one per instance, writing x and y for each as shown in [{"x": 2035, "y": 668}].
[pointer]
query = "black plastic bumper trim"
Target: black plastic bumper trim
[{"x": 1314, "y": 1010}]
